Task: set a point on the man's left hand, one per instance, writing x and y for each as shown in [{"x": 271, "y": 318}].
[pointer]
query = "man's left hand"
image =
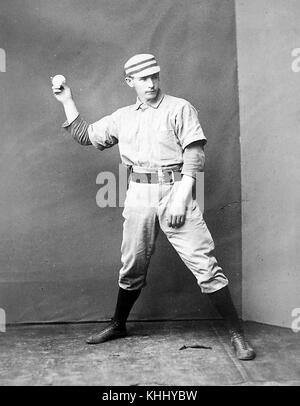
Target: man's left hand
[{"x": 177, "y": 212}]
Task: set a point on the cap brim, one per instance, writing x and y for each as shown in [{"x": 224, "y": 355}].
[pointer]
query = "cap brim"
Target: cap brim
[{"x": 147, "y": 72}]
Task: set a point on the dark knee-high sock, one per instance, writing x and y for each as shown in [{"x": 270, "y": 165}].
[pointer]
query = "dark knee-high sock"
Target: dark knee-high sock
[
  {"x": 125, "y": 302},
  {"x": 221, "y": 299}
]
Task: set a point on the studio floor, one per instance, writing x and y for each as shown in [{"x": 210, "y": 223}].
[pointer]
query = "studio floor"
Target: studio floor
[{"x": 154, "y": 353}]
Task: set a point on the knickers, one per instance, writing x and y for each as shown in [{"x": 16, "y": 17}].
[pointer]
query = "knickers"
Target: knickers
[{"x": 145, "y": 211}]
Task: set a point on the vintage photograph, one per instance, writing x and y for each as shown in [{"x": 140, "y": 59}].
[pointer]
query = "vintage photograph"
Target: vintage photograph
[{"x": 150, "y": 202}]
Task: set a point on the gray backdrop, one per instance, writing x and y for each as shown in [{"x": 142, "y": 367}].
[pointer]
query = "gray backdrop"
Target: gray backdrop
[{"x": 60, "y": 253}]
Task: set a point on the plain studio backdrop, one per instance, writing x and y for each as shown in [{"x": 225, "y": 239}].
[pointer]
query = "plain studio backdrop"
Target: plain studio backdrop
[{"x": 60, "y": 252}]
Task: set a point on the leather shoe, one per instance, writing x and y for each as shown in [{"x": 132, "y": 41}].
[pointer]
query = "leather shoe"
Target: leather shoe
[
  {"x": 111, "y": 332},
  {"x": 242, "y": 348}
]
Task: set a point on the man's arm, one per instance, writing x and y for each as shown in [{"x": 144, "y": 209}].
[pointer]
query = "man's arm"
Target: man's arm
[
  {"x": 193, "y": 162},
  {"x": 102, "y": 134},
  {"x": 64, "y": 95},
  {"x": 74, "y": 124}
]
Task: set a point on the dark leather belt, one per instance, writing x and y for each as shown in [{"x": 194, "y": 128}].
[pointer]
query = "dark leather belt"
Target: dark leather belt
[{"x": 168, "y": 177}]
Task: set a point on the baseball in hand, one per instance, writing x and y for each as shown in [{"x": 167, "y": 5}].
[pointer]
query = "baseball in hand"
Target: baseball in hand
[{"x": 58, "y": 81}]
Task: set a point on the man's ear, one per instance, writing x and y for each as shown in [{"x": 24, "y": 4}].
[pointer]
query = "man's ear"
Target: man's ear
[{"x": 129, "y": 81}]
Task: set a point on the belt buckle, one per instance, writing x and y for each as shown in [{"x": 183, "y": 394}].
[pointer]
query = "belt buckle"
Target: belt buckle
[
  {"x": 161, "y": 177},
  {"x": 172, "y": 178}
]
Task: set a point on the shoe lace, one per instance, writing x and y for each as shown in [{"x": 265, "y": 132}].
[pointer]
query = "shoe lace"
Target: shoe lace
[{"x": 240, "y": 341}]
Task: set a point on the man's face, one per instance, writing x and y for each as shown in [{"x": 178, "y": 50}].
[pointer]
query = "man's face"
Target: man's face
[{"x": 146, "y": 88}]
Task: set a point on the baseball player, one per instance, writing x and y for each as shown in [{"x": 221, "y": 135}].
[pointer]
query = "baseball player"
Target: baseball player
[{"x": 160, "y": 139}]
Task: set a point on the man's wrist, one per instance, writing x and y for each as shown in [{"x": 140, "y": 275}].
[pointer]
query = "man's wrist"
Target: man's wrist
[
  {"x": 68, "y": 103},
  {"x": 70, "y": 110}
]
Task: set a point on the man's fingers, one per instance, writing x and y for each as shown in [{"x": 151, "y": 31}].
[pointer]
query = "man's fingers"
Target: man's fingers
[
  {"x": 59, "y": 89},
  {"x": 172, "y": 221},
  {"x": 56, "y": 89},
  {"x": 182, "y": 220},
  {"x": 179, "y": 221},
  {"x": 175, "y": 221}
]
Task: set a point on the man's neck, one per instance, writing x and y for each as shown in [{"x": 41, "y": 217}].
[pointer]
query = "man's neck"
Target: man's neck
[{"x": 153, "y": 101}]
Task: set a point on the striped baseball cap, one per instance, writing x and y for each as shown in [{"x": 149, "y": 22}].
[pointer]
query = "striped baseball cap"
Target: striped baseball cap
[{"x": 141, "y": 65}]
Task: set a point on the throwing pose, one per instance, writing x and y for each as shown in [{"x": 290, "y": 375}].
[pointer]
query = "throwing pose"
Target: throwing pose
[{"x": 160, "y": 139}]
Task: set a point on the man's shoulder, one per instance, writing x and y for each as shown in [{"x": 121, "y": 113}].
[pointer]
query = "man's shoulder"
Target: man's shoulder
[
  {"x": 176, "y": 101},
  {"x": 124, "y": 110}
]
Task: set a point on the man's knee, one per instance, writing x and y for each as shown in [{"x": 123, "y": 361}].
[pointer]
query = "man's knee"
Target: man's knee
[{"x": 132, "y": 283}]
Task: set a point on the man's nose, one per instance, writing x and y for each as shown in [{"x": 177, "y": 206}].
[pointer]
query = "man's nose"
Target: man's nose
[{"x": 150, "y": 82}]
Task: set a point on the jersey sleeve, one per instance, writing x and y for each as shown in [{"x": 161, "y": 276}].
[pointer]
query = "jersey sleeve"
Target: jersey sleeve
[
  {"x": 78, "y": 129},
  {"x": 188, "y": 128},
  {"x": 104, "y": 132},
  {"x": 193, "y": 159}
]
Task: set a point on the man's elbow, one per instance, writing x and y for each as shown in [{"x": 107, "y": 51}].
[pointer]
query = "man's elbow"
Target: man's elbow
[
  {"x": 201, "y": 161},
  {"x": 80, "y": 133},
  {"x": 83, "y": 138}
]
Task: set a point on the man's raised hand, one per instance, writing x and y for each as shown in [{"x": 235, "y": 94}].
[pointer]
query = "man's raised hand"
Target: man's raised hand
[{"x": 61, "y": 91}]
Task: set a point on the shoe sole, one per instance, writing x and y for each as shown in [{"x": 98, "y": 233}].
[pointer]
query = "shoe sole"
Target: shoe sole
[
  {"x": 250, "y": 358},
  {"x": 103, "y": 340}
]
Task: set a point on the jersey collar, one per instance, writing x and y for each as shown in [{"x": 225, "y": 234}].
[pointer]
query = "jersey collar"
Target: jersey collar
[{"x": 155, "y": 105}]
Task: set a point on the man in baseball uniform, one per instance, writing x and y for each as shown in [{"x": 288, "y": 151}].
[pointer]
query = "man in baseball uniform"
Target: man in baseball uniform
[{"x": 161, "y": 141}]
